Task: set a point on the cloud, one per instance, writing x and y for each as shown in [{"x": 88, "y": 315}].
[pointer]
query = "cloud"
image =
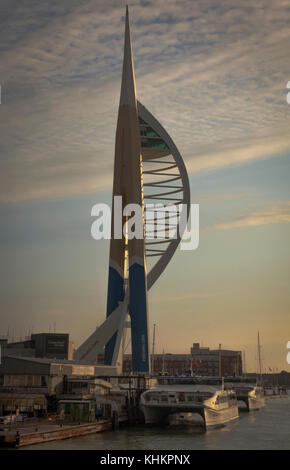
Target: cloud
[
  {"x": 268, "y": 147},
  {"x": 270, "y": 215},
  {"x": 213, "y": 196},
  {"x": 214, "y": 75}
]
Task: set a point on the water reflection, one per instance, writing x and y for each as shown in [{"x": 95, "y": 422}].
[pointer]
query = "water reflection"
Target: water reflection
[{"x": 265, "y": 429}]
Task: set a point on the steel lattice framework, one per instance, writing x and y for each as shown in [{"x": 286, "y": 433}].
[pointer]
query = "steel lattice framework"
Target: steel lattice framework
[{"x": 164, "y": 172}]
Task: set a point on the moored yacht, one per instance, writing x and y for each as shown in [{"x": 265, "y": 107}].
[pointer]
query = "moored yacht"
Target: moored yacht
[
  {"x": 248, "y": 391},
  {"x": 256, "y": 398}
]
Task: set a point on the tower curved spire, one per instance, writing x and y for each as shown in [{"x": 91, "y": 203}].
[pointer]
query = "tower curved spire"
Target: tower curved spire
[
  {"x": 128, "y": 87},
  {"x": 148, "y": 167}
]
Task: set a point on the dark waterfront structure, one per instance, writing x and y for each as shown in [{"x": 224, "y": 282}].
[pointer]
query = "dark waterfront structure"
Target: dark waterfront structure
[
  {"x": 33, "y": 385},
  {"x": 48, "y": 345}
]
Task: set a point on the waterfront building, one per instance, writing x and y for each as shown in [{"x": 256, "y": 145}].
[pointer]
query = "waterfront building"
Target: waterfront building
[
  {"x": 49, "y": 345},
  {"x": 200, "y": 361},
  {"x": 33, "y": 385}
]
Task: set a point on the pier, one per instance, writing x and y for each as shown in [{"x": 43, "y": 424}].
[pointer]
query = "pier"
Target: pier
[{"x": 43, "y": 432}]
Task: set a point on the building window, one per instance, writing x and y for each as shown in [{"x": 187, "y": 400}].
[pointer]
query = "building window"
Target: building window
[
  {"x": 29, "y": 380},
  {"x": 43, "y": 381}
]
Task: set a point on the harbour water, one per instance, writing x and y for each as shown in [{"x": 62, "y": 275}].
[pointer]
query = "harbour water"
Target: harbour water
[{"x": 268, "y": 428}]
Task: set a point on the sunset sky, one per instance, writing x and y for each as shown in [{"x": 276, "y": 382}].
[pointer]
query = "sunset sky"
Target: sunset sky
[{"x": 214, "y": 74}]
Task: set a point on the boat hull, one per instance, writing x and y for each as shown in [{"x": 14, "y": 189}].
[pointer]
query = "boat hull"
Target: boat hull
[
  {"x": 215, "y": 418},
  {"x": 160, "y": 414},
  {"x": 256, "y": 403},
  {"x": 188, "y": 420}
]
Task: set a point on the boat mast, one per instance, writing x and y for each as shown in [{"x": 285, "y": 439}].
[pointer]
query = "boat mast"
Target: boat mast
[
  {"x": 259, "y": 357},
  {"x": 153, "y": 350},
  {"x": 163, "y": 353},
  {"x": 244, "y": 361},
  {"x": 220, "y": 360}
]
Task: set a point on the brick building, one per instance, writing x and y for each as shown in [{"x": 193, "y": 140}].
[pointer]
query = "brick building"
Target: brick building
[{"x": 201, "y": 361}]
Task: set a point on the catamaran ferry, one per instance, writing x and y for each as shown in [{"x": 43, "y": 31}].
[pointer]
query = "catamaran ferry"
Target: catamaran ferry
[{"x": 175, "y": 396}]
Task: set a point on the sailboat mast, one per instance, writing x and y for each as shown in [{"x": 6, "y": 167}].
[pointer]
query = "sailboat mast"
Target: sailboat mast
[
  {"x": 244, "y": 361},
  {"x": 259, "y": 356},
  {"x": 153, "y": 350}
]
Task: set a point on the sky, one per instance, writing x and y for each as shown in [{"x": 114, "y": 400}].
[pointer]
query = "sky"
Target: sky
[{"x": 214, "y": 74}]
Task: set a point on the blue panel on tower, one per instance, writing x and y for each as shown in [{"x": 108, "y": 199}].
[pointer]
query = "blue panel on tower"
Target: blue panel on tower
[
  {"x": 139, "y": 324},
  {"x": 115, "y": 295}
]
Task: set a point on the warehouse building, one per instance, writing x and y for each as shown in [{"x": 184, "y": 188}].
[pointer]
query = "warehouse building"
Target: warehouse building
[
  {"x": 48, "y": 345},
  {"x": 32, "y": 385}
]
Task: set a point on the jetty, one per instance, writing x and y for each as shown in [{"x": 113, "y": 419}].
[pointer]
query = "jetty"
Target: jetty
[{"x": 42, "y": 432}]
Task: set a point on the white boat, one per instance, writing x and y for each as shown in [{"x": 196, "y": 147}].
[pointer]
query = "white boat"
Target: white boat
[
  {"x": 221, "y": 408},
  {"x": 249, "y": 392},
  {"x": 256, "y": 398},
  {"x": 160, "y": 403},
  {"x": 215, "y": 406}
]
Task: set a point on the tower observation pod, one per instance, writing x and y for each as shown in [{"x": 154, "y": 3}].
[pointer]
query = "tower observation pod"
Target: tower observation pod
[{"x": 148, "y": 172}]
